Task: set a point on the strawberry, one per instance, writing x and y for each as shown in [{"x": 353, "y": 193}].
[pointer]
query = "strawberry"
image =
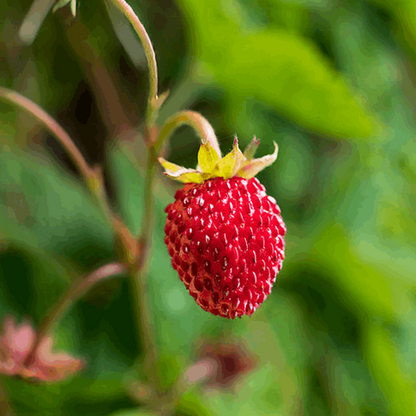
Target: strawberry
[{"x": 225, "y": 235}]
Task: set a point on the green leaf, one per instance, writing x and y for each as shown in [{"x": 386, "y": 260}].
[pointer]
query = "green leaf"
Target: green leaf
[
  {"x": 207, "y": 157},
  {"x": 191, "y": 404},
  {"x": 38, "y": 198},
  {"x": 168, "y": 369},
  {"x": 283, "y": 69},
  {"x": 381, "y": 355}
]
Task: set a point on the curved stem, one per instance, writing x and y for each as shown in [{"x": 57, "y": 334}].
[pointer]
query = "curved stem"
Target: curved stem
[
  {"x": 138, "y": 27},
  {"x": 56, "y": 130},
  {"x": 77, "y": 289},
  {"x": 93, "y": 175},
  {"x": 191, "y": 118}
]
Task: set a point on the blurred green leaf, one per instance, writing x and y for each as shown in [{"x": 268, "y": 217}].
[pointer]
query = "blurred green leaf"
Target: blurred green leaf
[
  {"x": 95, "y": 397},
  {"x": 128, "y": 177},
  {"x": 281, "y": 68},
  {"x": 169, "y": 368},
  {"x": 258, "y": 395},
  {"x": 38, "y": 198},
  {"x": 371, "y": 292},
  {"x": 405, "y": 13},
  {"x": 191, "y": 404},
  {"x": 381, "y": 355}
]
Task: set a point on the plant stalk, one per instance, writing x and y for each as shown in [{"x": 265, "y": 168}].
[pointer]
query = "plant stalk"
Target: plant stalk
[
  {"x": 138, "y": 269},
  {"x": 140, "y": 30},
  {"x": 199, "y": 123},
  {"x": 54, "y": 128}
]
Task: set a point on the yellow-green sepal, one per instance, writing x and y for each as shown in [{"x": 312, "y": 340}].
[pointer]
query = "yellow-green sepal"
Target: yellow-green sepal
[
  {"x": 230, "y": 164},
  {"x": 210, "y": 165},
  {"x": 182, "y": 174},
  {"x": 252, "y": 167},
  {"x": 207, "y": 157},
  {"x": 190, "y": 176},
  {"x": 170, "y": 168},
  {"x": 251, "y": 149}
]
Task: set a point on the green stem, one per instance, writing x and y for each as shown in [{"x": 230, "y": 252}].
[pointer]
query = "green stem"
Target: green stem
[
  {"x": 138, "y": 27},
  {"x": 138, "y": 270},
  {"x": 139, "y": 282},
  {"x": 206, "y": 133},
  {"x": 93, "y": 176},
  {"x": 199, "y": 123},
  {"x": 77, "y": 289},
  {"x": 56, "y": 130}
]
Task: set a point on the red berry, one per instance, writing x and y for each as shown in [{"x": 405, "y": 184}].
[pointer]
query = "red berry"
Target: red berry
[{"x": 225, "y": 237}]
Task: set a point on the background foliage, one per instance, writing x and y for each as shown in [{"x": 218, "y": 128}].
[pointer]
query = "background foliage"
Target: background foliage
[{"x": 332, "y": 81}]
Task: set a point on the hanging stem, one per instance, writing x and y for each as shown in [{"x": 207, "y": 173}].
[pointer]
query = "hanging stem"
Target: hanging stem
[
  {"x": 138, "y": 27},
  {"x": 191, "y": 118}
]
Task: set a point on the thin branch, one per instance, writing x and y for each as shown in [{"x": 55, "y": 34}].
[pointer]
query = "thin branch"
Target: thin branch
[
  {"x": 138, "y": 27},
  {"x": 138, "y": 269},
  {"x": 140, "y": 287},
  {"x": 56, "y": 130},
  {"x": 191, "y": 118},
  {"x": 77, "y": 289},
  {"x": 93, "y": 176}
]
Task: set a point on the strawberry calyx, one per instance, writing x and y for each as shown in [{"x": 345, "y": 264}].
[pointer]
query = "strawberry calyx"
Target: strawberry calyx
[{"x": 212, "y": 165}]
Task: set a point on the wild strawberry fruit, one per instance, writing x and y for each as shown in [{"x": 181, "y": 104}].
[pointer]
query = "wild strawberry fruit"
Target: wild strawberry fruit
[{"x": 223, "y": 232}]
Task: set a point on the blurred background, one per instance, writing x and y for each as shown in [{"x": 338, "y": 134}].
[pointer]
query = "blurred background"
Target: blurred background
[{"x": 333, "y": 83}]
